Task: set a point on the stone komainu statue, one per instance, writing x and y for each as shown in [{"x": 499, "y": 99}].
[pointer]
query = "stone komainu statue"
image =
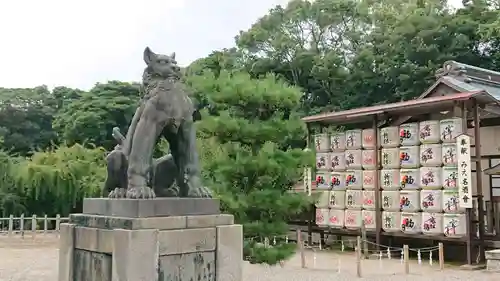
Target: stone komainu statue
[{"x": 165, "y": 110}]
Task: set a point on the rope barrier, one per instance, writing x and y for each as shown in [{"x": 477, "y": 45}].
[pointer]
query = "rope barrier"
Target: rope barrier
[
  {"x": 424, "y": 249},
  {"x": 382, "y": 251},
  {"x": 389, "y": 250}
]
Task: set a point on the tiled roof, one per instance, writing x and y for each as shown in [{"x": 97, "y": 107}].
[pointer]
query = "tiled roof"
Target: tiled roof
[{"x": 404, "y": 107}]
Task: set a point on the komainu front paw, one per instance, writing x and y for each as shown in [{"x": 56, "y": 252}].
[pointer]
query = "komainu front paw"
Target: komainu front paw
[
  {"x": 118, "y": 193},
  {"x": 142, "y": 192},
  {"x": 200, "y": 192}
]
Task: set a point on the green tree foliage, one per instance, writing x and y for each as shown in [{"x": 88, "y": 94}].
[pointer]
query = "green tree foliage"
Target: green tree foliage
[
  {"x": 346, "y": 53},
  {"x": 51, "y": 182},
  {"x": 11, "y": 201},
  {"x": 90, "y": 117},
  {"x": 256, "y": 155},
  {"x": 26, "y": 119}
]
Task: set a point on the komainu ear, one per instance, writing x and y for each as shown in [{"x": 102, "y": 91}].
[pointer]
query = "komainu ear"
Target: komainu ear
[
  {"x": 148, "y": 55},
  {"x": 173, "y": 56}
]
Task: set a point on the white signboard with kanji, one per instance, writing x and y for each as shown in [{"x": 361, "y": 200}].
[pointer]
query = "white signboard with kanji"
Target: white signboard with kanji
[
  {"x": 464, "y": 171},
  {"x": 307, "y": 180}
]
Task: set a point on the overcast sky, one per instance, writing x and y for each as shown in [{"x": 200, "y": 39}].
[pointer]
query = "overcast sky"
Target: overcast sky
[{"x": 79, "y": 43}]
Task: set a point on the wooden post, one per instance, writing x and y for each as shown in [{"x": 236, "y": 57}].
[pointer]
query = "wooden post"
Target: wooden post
[
  {"x": 376, "y": 182},
  {"x": 33, "y": 226},
  {"x": 58, "y": 223},
  {"x": 301, "y": 249},
  {"x": 441, "y": 256},
  {"x": 45, "y": 225},
  {"x": 11, "y": 225},
  {"x": 489, "y": 215},
  {"x": 358, "y": 257},
  {"x": 363, "y": 237},
  {"x": 21, "y": 225},
  {"x": 406, "y": 259},
  {"x": 468, "y": 214},
  {"x": 479, "y": 179},
  {"x": 312, "y": 215}
]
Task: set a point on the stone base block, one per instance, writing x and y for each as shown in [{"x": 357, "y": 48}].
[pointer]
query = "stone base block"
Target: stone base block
[
  {"x": 143, "y": 208},
  {"x": 164, "y": 248},
  {"x": 493, "y": 260}
]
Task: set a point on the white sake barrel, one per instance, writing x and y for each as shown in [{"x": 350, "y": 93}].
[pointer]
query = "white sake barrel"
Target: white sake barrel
[
  {"x": 337, "y": 141},
  {"x": 368, "y": 138},
  {"x": 408, "y": 134},
  {"x": 337, "y": 161},
  {"x": 429, "y": 132},
  {"x": 409, "y": 200},
  {"x": 337, "y": 199},
  {"x": 449, "y": 154},
  {"x": 454, "y": 225},
  {"x": 389, "y": 137},
  {"x": 411, "y": 222},
  {"x": 369, "y": 179},
  {"x": 430, "y": 155},
  {"x": 430, "y": 178},
  {"x": 431, "y": 200},
  {"x": 323, "y": 199},
  {"x": 353, "y": 199},
  {"x": 451, "y": 202},
  {"x": 369, "y": 217},
  {"x": 390, "y": 200},
  {"x": 389, "y": 179},
  {"x": 337, "y": 180},
  {"x": 432, "y": 223},
  {"x": 353, "y": 159},
  {"x": 322, "y": 142},
  {"x": 322, "y": 181},
  {"x": 390, "y": 158},
  {"x": 409, "y": 179},
  {"x": 450, "y": 129},
  {"x": 322, "y": 215},
  {"x": 369, "y": 199},
  {"x": 323, "y": 161},
  {"x": 353, "y": 219},
  {"x": 354, "y": 179},
  {"x": 368, "y": 159},
  {"x": 353, "y": 139},
  {"x": 449, "y": 177},
  {"x": 336, "y": 218},
  {"x": 409, "y": 157},
  {"x": 391, "y": 221}
]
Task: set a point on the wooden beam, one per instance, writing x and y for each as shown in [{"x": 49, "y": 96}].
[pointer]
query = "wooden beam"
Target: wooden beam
[{"x": 378, "y": 198}]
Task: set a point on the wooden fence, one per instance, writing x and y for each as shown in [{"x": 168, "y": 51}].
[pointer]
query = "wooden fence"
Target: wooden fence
[{"x": 30, "y": 225}]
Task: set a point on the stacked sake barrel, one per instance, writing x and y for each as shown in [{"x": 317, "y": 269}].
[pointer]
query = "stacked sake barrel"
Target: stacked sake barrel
[
  {"x": 353, "y": 179},
  {"x": 418, "y": 178},
  {"x": 337, "y": 180},
  {"x": 430, "y": 178},
  {"x": 438, "y": 178},
  {"x": 454, "y": 220},
  {"x": 389, "y": 178},
  {"x": 322, "y": 146},
  {"x": 330, "y": 179},
  {"x": 368, "y": 175}
]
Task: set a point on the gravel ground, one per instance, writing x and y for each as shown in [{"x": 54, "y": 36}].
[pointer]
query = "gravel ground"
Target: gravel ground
[{"x": 28, "y": 260}]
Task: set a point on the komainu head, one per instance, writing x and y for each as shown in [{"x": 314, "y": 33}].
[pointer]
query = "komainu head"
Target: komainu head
[{"x": 161, "y": 65}]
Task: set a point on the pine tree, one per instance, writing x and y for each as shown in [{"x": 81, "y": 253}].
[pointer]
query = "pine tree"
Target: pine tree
[{"x": 252, "y": 154}]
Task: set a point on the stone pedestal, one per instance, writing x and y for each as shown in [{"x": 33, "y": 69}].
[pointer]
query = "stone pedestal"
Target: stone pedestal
[
  {"x": 493, "y": 260},
  {"x": 164, "y": 239}
]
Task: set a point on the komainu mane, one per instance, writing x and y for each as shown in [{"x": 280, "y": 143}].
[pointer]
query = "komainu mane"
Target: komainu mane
[{"x": 165, "y": 110}]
